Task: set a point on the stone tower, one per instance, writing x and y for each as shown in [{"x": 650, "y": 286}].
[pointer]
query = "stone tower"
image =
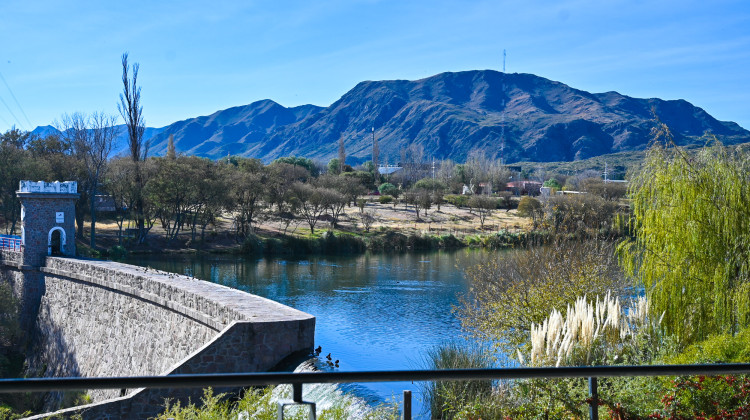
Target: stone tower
[{"x": 47, "y": 219}]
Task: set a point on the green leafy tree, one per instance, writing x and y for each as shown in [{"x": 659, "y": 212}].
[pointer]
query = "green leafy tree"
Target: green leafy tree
[
  {"x": 387, "y": 188},
  {"x": 210, "y": 195},
  {"x": 334, "y": 168},
  {"x": 531, "y": 207},
  {"x": 691, "y": 219},
  {"x": 552, "y": 183},
  {"x": 170, "y": 191},
  {"x": 365, "y": 179},
  {"x": 306, "y": 163},
  {"x": 248, "y": 180},
  {"x": 281, "y": 177}
]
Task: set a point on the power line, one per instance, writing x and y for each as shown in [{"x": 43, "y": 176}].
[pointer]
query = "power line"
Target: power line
[
  {"x": 5, "y": 121},
  {"x": 11, "y": 112},
  {"x": 16, "y": 100}
]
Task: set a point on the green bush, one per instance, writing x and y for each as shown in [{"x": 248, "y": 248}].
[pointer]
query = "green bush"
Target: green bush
[
  {"x": 529, "y": 207},
  {"x": 457, "y": 200},
  {"x": 117, "y": 252},
  {"x": 450, "y": 241},
  {"x": 385, "y": 199},
  {"x": 388, "y": 189},
  {"x": 252, "y": 245},
  {"x": 342, "y": 244}
]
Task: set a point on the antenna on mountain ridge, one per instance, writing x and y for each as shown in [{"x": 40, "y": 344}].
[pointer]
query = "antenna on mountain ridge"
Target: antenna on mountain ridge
[{"x": 503, "y": 60}]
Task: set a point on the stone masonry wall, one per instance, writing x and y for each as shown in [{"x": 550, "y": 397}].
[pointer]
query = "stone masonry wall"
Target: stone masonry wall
[
  {"x": 241, "y": 347},
  {"x": 39, "y": 217},
  {"x": 100, "y": 318},
  {"x": 90, "y": 331},
  {"x": 12, "y": 258},
  {"x": 27, "y": 286}
]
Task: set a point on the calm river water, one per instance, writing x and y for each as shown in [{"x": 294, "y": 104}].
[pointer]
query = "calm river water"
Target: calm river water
[{"x": 374, "y": 312}]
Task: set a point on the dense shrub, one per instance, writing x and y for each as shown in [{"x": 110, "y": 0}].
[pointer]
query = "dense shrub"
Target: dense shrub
[
  {"x": 252, "y": 245},
  {"x": 515, "y": 289},
  {"x": 576, "y": 213},
  {"x": 457, "y": 200},
  {"x": 385, "y": 199},
  {"x": 342, "y": 244},
  {"x": 387, "y": 188},
  {"x": 387, "y": 241}
]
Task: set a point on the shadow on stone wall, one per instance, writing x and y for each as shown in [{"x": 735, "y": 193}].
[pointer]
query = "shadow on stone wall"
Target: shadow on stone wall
[{"x": 51, "y": 356}]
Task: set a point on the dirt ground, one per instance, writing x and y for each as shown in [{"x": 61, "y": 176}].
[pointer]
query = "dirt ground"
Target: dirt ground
[{"x": 448, "y": 220}]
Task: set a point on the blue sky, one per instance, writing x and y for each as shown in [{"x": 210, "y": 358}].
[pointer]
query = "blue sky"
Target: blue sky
[{"x": 197, "y": 57}]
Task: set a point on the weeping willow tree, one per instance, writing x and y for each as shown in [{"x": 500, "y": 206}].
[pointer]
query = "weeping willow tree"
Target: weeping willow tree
[{"x": 691, "y": 214}]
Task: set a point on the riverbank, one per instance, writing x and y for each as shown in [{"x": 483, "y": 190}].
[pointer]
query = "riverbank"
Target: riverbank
[{"x": 390, "y": 229}]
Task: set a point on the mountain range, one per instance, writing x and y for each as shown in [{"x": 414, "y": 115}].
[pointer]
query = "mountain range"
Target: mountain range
[{"x": 513, "y": 116}]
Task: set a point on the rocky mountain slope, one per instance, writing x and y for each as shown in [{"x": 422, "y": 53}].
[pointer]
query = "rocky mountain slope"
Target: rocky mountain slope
[{"x": 448, "y": 115}]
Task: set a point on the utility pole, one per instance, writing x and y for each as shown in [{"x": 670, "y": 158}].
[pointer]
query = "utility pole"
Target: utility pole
[
  {"x": 375, "y": 157},
  {"x": 606, "y": 174},
  {"x": 502, "y": 120}
]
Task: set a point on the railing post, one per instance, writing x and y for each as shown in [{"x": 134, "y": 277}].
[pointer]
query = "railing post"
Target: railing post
[
  {"x": 296, "y": 400},
  {"x": 593, "y": 399},
  {"x": 297, "y": 393},
  {"x": 407, "y": 406}
]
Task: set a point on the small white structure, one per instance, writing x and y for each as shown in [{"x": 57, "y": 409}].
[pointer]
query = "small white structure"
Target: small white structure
[{"x": 67, "y": 187}]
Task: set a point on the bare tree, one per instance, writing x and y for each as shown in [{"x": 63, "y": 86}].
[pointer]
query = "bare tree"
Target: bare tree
[
  {"x": 368, "y": 218},
  {"x": 311, "y": 202},
  {"x": 92, "y": 138},
  {"x": 484, "y": 206},
  {"x": 119, "y": 182},
  {"x": 132, "y": 112}
]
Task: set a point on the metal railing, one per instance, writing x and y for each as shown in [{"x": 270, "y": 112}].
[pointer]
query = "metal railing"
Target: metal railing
[
  {"x": 11, "y": 242},
  {"x": 298, "y": 379}
]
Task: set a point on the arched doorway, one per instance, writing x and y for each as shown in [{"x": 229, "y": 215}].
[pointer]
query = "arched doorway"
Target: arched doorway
[{"x": 56, "y": 241}]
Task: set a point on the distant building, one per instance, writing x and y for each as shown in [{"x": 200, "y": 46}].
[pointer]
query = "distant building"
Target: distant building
[
  {"x": 524, "y": 187},
  {"x": 484, "y": 188},
  {"x": 388, "y": 169},
  {"x": 104, "y": 203}
]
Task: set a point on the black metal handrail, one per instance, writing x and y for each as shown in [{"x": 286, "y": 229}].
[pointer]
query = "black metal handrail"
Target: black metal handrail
[
  {"x": 276, "y": 378},
  {"x": 299, "y": 378}
]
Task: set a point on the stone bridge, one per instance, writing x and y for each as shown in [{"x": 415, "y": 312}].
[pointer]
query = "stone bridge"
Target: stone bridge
[{"x": 92, "y": 318}]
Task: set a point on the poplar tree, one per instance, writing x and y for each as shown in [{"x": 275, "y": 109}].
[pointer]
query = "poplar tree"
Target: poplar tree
[
  {"x": 132, "y": 112},
  {"x": 691, "y": 221},
  {"x": 342, "y": 154},
  {"x": 171, "y": 151}
]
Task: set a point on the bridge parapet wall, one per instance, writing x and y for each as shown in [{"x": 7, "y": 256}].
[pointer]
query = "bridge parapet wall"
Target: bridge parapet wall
[
  {"x": 101, "y": 318},
  {"x": 10, "y": 257}
]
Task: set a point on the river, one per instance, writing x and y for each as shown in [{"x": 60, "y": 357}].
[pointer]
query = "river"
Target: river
[{"x": 374, "y": 311}]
